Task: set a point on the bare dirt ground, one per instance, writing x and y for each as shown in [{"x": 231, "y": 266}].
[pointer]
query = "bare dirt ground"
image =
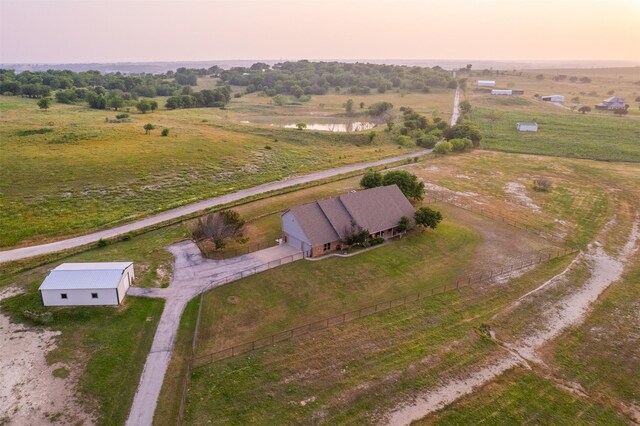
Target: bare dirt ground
[
  {"x": 519, "y": 192},
  {"x": 29, "y": 392},
  {"x": 569, "y": 310}
]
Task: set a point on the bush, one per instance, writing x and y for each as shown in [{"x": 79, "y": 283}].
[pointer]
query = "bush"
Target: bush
[
  {"x": 404, "y": 140},
  {"x": 428, "y": 217},
  {"x": 122, "y": 116},
  {"x": 443, "y": 147},
  {"x": 542, "y": 184},
  {"x": 267, "y": 147},
  {"x": 461, "y": 144},
  {"x": 377, "y": 240},
  {"x": 102, "y": 243},
  {"x": 427, "y": 141},
  {"x": 165, "y": 132},
  {"x": 371, "y": 179}
]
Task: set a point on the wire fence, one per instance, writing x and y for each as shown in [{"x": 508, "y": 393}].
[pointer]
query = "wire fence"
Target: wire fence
[
  {"x": 322, "y": 324},
  {"x": 235, "y": 252},
  {"x": 187, "y": 374}
]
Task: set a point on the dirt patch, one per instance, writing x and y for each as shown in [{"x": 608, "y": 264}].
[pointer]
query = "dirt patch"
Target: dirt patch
[
  {"x": 234, "y": 300},
  {"x": 30, "y": 392},
  {"x": 519, "y": 192}
]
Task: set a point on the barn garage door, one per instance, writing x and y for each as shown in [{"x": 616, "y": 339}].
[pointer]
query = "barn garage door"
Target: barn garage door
[{"x": 294, "y": 242}]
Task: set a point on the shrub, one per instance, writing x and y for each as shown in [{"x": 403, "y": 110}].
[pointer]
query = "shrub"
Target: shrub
[
  {"x": 165, "y": 132},
  {"x": 122, "y": 116},
  {"x": 267, "y": 147},
  {"x": 427, "y": 141},
  {"x": 371, "y": 179},
  {"x": 461, "y": 144},
  {"x": 102, "y": 243},
  {"x": 428, "y": 217},
  {"x": 443, "y": 147},
  {"x": 542, "y": 184},
  {"x": 377, "y": 240}
]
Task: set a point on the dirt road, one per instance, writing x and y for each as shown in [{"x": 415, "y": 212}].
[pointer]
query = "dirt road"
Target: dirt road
[{"x": 25, "y": 252}]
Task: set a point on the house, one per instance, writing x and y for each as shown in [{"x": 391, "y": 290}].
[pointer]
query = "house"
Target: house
[
  {"x": 321, "y": 226},
  {"x": 612, "y": 103},
  {"x": 527, "y": 126},
  {"x": 502, "y": 92},
  {"x": 85, "y": 284},
  {"x": 553, "y": 98},
  {"x": 486, "y": 83}
]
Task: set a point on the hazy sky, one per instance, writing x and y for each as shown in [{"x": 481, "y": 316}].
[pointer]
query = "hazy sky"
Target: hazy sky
[{"x": 58, "y": 31}]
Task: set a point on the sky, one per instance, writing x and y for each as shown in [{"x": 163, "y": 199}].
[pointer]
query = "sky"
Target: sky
[{"x": 57, "y": 31}]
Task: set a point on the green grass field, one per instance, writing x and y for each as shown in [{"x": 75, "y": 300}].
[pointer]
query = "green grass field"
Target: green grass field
[
  {"x": 519, "y": 397},
  {"x": 562, "y": 134}
]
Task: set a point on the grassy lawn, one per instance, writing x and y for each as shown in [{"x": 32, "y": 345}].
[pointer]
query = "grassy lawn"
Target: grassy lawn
[
  {"x": 520, "y": 397},
  {"x": 562, "y": 134},
  {"x": 355, "y": 372},
  {"x": 86, "y": 174},
  {"x": 108, "y": 345}
]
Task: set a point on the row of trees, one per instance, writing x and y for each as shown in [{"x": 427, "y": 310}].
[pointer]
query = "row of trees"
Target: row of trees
[
  {"x": 408, "y": 183},
  {"x": 316, "y": 78},
  {"x": 217, "y": 98}
]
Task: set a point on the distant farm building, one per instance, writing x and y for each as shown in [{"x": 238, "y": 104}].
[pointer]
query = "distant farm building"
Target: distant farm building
[
  {"x": 85, "y": 284},
  {"x": 486, "y": 83},
  {"x": 517, "y": 92},
  {"x": 506, "y": 92},
  {"x": 527, "y": 126},
  {"x": 612, "y": 103},
  {"x": 553, "y": 98},
  {"x": 321, "y": 226}
]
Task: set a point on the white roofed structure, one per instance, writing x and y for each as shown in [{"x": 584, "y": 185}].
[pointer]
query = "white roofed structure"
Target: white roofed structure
[{"x": 72, "y": 284}]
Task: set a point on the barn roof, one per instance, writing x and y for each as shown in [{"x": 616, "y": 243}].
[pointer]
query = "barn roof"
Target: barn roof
[
  {"x": 76, "y": 276},
  {"x": 375, "y": 209}
]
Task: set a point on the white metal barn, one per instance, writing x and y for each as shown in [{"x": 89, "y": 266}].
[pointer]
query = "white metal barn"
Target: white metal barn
[
  {"x": 87, "y": 284},
  {"x": 486, "y": 83},
  {"x": 553, "y": 98},
  {"x": 527, "y": 126},
  {"x": 507, "y": 92}
]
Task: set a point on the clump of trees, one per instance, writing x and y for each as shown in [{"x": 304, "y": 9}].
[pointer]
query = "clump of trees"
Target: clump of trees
[
  {"x": 428, "y": 217},
  {"x": 216, "y": 98},
  {"x": 408, "y": 183},
  {"x": 462, "y": 130},
  {"x": 418, "y": 129},
  {"x": 379, "y": 108},
  {"x": 217, "y": 227}
]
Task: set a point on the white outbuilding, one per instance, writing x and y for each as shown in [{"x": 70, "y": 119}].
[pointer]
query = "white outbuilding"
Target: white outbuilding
[
  {"x": 486, "y": 83},
  {"x": 553, "y": 98},
  {"x": 527, "y": 126},
  {"x": 87, "y": 284},
  {"x": 507, "y": 92}
]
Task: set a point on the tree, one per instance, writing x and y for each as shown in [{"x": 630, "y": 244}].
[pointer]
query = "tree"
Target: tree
[
  {"x": 427, "y": 141},
  {"x": 348, "y": 106},
  {"x": 44, "y": 103},
  {"x": 301, "y": 126},
  {"x": 408, "y": 183},
  {"x": 443, "y": 147},
  {"x": 461, "y": 144},
  {"x": 371, "y": 135},
  {"x": 403, "y": 224},
  {"x": 355, "y": 234},
  {"x": 361, "y": 105},
  {"x": 464, "y": 129},
  {"x": 165, "y": 132},
  {"x": 371, "y": 179},
  {"x": 115, "y": 102},
  {"x": 153, "y": 105},
  {"x": 217, "y": 227},
  {"x": 584, "y": 109},
  {"x": 379, "y": 108},
  {"x": 148, "y": 128},
  {"x": 143, "y": 106},
  {"x": 428, "y": 217},
  {"x": 465, "y": 107},
  {"x": 280, "y": 100}
]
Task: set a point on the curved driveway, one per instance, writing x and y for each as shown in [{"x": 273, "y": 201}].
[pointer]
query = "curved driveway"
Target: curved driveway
[{"x": 25, "y": 252}]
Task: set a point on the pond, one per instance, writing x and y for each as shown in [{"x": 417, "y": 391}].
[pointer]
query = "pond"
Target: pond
[{"x": 329, "y": 125}]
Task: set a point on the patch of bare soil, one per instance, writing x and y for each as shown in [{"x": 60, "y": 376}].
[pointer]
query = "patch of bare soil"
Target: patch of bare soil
[
  {"x": 568, "y": 311},
  {"x": 519, "y": 192},
  {"x": 29, "y": 393}
]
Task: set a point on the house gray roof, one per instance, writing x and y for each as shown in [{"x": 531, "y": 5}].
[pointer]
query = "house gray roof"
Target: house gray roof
[
  {"x": 375, "y": 209},
  {"x": 527, "y": 123},
  {"x": 613, "y": 99},
  {"x": 74, "y": 276}
]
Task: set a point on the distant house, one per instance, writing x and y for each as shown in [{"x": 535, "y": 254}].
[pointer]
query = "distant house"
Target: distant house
[
  {"x": 553, "y": 98},
  {"x": 527, "y": 126},
  {"x": 611, "y": 103},
  {"x": 486, "y": 83},
  {"x": 506, "y": 92},
  {"x": 517, "y": 92},
  {"x": 321, "y": 226},
  {"x": 81, "y": 284}
]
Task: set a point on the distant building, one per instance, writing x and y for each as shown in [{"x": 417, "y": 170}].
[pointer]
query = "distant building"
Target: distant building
[
  {"x": 502, "y": 92},
  {"x": 611, "y": 103},
  {"x": 553, "y": 98},
  {"x": 517, "y": 92},
  {"x": 486, "y": 83},
  {"x": 527, "y": 126},
  {"x": 321, "y": 226},
  {"x": 83, "y": 284}
]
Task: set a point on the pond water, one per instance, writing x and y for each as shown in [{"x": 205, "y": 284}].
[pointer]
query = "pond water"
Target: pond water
[{"x": 317, "y": 124}]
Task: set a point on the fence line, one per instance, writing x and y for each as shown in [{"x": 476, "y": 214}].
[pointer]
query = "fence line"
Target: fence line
[
  {"x": 187, "y": 375},
  {"x": 227, "y": 254},
  {"x": 321, "y": 324}
]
